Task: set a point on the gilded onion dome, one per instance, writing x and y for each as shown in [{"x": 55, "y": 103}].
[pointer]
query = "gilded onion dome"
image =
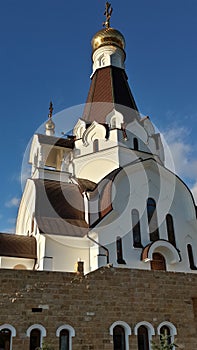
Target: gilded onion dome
[
  {"x": 108, "y": 36},
  {"x": 50, "y": 125}
]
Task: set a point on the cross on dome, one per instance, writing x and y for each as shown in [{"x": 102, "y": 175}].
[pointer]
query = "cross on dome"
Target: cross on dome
[{"x": 107, "y": 14}]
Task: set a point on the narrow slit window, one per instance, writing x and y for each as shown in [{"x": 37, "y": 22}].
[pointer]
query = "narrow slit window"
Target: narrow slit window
[
  {"x": 135, "y": 144},
  {"x": 191, "y": 257},
  {"x": 152, "y": 220},
  {"x": 170, "y": 229},
  {"x": 119, "y": 251},
  {"x": 136, "y": 229}
]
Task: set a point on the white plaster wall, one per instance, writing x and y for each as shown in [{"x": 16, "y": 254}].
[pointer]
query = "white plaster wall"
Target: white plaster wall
[
  {"x": 96, "y": 166},
  {"x": 10, "y": 263},
  {"x": 26, "y": 209},
  {"x": 66, "y": 252},
  {"x": 130, "y": 191}
]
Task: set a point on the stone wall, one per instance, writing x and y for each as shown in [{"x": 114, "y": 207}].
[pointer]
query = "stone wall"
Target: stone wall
[{"x": 92, "y": 303}]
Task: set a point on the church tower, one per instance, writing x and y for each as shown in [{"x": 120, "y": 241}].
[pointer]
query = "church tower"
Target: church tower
[{"x": 103, "y": 195}]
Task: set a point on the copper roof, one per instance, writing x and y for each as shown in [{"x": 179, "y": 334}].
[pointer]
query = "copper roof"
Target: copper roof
[
  {"x": 109, "y": 89},
  {"x": 60, "y": 208},
  {"x": 17, "y": 246}
]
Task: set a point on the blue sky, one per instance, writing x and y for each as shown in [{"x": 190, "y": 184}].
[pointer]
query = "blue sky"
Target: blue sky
[{"x": 46, "y": 54}]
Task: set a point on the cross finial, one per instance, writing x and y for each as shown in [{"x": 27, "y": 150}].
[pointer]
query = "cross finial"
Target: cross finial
[
  {"x": 107, "y": 14},
  {"x": 50, "y": 110}
]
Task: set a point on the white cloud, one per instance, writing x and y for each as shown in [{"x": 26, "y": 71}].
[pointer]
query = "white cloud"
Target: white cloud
[
  {"x": 13, "y": 202},
  {"x": 180, "y": 158}
]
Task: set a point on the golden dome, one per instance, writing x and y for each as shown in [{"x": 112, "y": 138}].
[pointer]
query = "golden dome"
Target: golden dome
[
  {"x": 108, "y": 36},
  {"x": 50, "y": 125}
]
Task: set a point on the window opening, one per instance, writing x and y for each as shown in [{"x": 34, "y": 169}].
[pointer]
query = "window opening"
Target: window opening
[
  {"x": 5, "y": 339},
  {"x": 135, "y": 144},
  {"x": 119, "y": 338},
  {"x": 191, "y": 257},
  {"x": 152, "y": 220},
  {"x": 120, "y": 259},
  {"x": 35, "y": 336},
  {"x": 165, "y": 330},
  {"x": 64, "y": 340},
  {"x": 143, "y": 341},
  {"x": 170, "y": 229},
  {"x": 136, "y": 229}
]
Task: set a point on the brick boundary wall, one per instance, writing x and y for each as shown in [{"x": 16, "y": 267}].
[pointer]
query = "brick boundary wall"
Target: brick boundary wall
[{"x": 92, "y": 303}]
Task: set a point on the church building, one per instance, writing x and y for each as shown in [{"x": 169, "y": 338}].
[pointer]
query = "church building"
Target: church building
[{"x": 104, "y": 254}]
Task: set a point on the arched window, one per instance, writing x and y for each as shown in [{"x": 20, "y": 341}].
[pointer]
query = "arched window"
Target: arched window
[
  {"x": 95, "y": 145},
  {"x": 142, "y": 338},
  {"x": 6, "y": 333},
  {"x": 136, "y": 229},
  {"x": 165, "y": 331},
  {"x": 64, "y": 340},
  {"x": 144, "y": 332},
  {"x": 120, "y": 331},
  {"x": 120, "y": 259},
  {"x": 36, "y": 333},
  {"x": 152, "y": 219},
  {"x": 158, "y": 262},
  {"x": 65, "y": 334},
  {"x": 5, "y": 339},
  {"x": 168, "y": 329},
  {"x": 119, "y": 338},
  {"x": 170, "y": 229},
  {"x": 35, "y": 339},
  {"x": 135, "y": 144},
  {"x": 191, "y": 257}
]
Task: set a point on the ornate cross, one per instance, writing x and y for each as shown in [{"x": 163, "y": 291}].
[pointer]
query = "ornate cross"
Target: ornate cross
[
  {"x": 107, "y": 14},
  {"x": 50, "y": 110}
]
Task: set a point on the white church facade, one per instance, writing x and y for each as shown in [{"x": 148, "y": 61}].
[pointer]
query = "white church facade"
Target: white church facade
[
  {"x": 103, "y": 197},
  {"x": 104, "y": 194}
]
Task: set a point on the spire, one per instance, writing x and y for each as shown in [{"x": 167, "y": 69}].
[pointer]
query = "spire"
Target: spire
[
  {"x": 108, "y": 44},
  {"x": 109, "y": 81},
  {"x": 50, "y": 125}
]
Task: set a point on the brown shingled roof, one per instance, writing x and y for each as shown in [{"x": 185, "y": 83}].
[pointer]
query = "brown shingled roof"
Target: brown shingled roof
[
  {"x": 60, "y": 208},
  {"x": 110, "y": 88},
  {"x": 17, "y": 246}
]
